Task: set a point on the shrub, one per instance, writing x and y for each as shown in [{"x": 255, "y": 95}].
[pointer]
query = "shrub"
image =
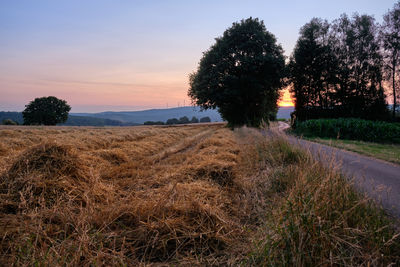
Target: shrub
[
  {"x": 205, "y": 119},
  {"x": 184, "y": 120},
  {"x": 194, "y": 120},
  {"x": 352, "y": 129},
  {"x": 9, "y": 122}
]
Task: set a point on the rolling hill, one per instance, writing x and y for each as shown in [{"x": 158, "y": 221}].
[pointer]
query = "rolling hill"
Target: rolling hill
[
  {"x": 155, "y": 114},
  {"x": 131, "y": 118},
  {"x": 72, "y": 120},
  {"x": 165, "y": 114}
]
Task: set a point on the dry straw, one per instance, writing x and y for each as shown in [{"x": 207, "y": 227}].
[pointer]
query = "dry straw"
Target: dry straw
[{"x": 194, "y": 195}]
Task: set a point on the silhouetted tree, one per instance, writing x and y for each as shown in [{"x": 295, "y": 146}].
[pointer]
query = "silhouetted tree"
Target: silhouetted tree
[
  {"x": 312, "y": 68},
  {"x": 46, "y": 110},
  {"x": 194, "y": 120},
  {"x": 241, "y": 74},
  {"x": 360, "y": 90},
  {"x": 336, "y": 70},
  {"x": 205, "y": 119},
  {"x": 390, "y": 37},
  {"x": 184, "y": 120}
]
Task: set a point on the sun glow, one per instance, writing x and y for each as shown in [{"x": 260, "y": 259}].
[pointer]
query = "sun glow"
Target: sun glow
[{"x": 286, "y": 100}]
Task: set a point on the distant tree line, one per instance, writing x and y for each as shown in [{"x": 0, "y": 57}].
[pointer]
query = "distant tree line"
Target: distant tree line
[
  {"x": 181, "y": 120},
  {"x": 338, "y": 69}
]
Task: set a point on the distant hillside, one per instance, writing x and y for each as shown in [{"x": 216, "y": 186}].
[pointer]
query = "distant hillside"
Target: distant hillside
[
  {"x": 72, "y": 120},
  {"x": 130, "y": 118},
  {"x": 92, "y": 121},
  {"x": 165, "y": 114},
  {"x": 15, "y": 116},
  {"x": 155, "y": 114}
]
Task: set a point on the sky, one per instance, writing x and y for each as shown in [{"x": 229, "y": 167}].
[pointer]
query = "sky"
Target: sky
[{"x": 118, "y": 55}]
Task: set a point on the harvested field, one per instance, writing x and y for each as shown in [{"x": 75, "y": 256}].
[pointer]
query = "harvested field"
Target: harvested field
[
  {"x": 118, "y": 195},
  {"x": 192, "y": 195}
]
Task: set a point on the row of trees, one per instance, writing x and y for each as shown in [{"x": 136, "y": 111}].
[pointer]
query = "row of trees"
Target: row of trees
[
  {"x": 339, "y": 69},
  {"x": 181, "y": 120}
]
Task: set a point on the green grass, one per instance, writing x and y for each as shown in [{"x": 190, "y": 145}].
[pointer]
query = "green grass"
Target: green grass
[{"x": 387, "y": 152}]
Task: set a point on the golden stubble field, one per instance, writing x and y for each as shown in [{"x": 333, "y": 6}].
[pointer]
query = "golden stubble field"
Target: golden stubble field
[
  {"x": 123, "y": 195},
  {"x": 186, "y": 195}
]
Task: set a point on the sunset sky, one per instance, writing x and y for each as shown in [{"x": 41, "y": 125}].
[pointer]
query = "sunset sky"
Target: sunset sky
[{"x": 132, "y": 55}]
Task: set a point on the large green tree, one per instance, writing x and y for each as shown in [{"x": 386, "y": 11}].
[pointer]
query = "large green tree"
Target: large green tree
[
  {"x": 241, "y": 74},
  {"x": 46, "y": 111},
  {"x": 390, "y": 37}
]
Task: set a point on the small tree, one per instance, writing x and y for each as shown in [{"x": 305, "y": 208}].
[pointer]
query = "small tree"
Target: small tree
[
  {"x": 205, "y": 119},
  {"x": 194, "y": 120},
  {"x": 9, "y": 122},
  {"x": 240, "y": 75},
  {"x": 172, "y": 121},
  {"x": 46, "y": 110},
  {"x": 184, "y": 120}
]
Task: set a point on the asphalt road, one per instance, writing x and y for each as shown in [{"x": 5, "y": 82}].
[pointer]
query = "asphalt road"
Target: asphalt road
[{"x": 380, "y": 180}]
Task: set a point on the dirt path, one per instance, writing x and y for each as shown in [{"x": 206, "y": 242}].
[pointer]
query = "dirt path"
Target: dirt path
[{"x": 379, "y": 179}]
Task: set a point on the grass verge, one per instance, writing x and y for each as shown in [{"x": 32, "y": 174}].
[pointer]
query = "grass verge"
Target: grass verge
[
  {"x": 387, "y": 152},
  {"x": 316, "y": 218}
]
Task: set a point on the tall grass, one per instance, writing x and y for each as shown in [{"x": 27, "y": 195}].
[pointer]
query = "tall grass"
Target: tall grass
[
  {"x": 352, "y": 129},
  {"x": 316, "y": 217}
]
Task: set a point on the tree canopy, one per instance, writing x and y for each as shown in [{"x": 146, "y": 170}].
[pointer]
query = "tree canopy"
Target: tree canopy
[
  {"x": 46, "y": 111},
  {"x": 241, "y": 74},
  {"x": 390, "y": 38},
  {"x": 336, "y": 70}
]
